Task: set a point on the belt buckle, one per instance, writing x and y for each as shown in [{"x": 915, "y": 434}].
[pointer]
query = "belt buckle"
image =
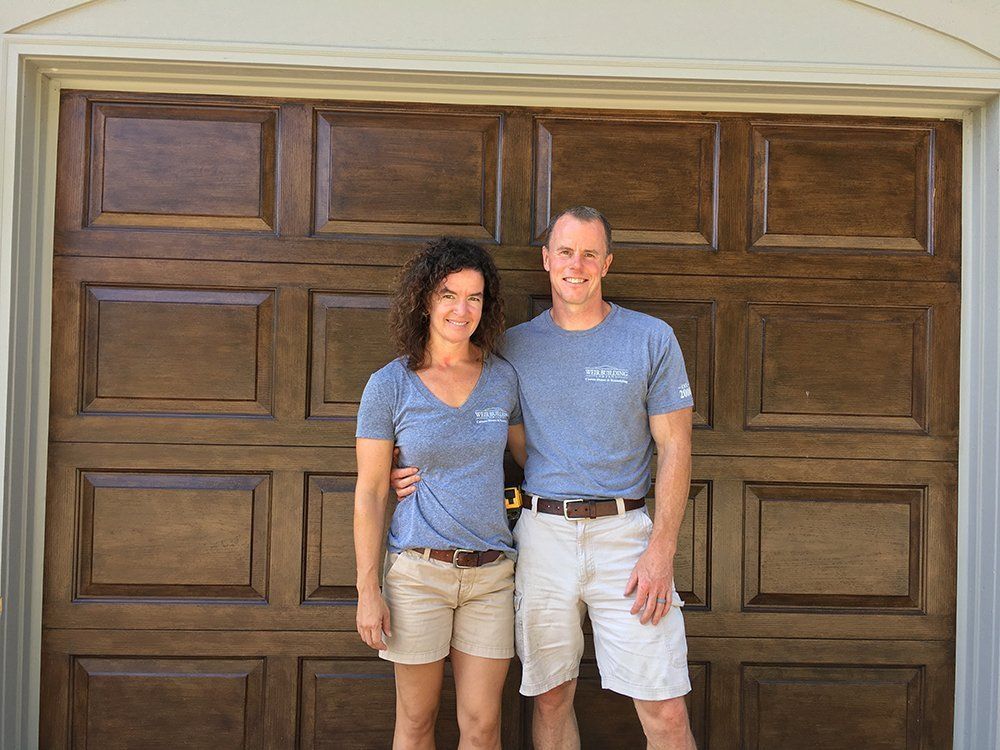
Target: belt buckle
[
  {"x": 566, "y": 504},
  {"x": 456, "y": 553}
]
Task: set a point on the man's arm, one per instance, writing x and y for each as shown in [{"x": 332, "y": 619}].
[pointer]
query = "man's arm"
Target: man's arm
[
  {"x": 370, "y": 495},
  {"x": 517, "y": 444},
  {"x": 652, "y": 577}
]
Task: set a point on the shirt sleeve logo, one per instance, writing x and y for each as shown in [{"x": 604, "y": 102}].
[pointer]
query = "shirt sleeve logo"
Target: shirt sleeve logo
[
  {"x": 605, "y": 374},
  {"x": 685, "y": 391},
  {"x": 492, "y": 414}
]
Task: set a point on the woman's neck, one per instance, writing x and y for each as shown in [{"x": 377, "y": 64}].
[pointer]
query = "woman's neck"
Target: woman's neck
[{"x": 440, "y": 353}]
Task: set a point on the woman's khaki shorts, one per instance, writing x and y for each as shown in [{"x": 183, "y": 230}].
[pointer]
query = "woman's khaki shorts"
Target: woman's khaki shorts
[{"x": 434, "y": 607}]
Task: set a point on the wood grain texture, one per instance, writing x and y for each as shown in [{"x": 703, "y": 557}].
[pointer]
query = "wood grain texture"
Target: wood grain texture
[{"x": 220, "y": 289}]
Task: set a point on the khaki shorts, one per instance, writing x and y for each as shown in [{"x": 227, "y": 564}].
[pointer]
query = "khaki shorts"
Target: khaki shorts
[
  {"x": 567, "y": 568},
  {"x": 434, "y": 607}
]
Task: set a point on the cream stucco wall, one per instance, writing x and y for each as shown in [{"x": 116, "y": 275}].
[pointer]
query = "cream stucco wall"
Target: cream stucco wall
[{"x": 914, "y": 32}]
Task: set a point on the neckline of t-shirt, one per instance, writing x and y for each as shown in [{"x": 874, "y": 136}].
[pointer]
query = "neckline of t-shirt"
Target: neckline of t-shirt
[
  {"x": 550, "y": 323},
  {"x": 435, "y": 401}
]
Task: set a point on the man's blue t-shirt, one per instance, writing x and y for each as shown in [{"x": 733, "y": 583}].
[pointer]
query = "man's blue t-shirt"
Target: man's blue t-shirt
[
  {"x": 587, "y": 397},
  {"x": 458, "y": 504}
]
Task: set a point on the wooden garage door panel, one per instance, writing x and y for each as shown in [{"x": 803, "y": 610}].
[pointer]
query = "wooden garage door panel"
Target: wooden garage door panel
[
  {"x": 655, "y": 180},
  {"x": 350, "y": 340},
  {"x": 140, "y": 531},
  {"x": 163, "y": 704},
  {"x": 693, "y": 559},
  {"x": 607, "y": 719},
  {"x": 182, "y": 167},
  {"x": 188, "y": 351},
  {"x": 788, "y": 707},
  {"x": 824, "y": 370},
  {"x": 843, "y": 189},
  {"x": 330, "y": 573},
  {"x": 829, "y": 367},
  {"x": 399, "y": 173},
  {"x": 337, "y": 693},
  {"x": 833, "y": 546}
]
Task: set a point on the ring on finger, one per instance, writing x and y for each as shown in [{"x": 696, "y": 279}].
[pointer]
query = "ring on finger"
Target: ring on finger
[{"x": 660, "y": 600}]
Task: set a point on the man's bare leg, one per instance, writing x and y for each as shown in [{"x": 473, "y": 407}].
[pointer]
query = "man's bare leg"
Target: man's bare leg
[
  {"x": 666, "y": 724},
  {"x": 553, "y": 722}
]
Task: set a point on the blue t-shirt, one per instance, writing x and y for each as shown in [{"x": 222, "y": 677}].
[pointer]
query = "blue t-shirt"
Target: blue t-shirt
[
  {"x": 587, "y": 397},
  {"x": 458, "y": 503}
]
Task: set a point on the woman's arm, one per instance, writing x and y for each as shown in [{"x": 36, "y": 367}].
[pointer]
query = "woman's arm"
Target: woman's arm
[{"x": 370, "y": 495}]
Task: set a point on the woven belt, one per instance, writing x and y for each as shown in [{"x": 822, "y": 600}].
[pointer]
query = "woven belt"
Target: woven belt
[
  {"x": 461, "y": 558},
  {"x": 580, "y": 509}
]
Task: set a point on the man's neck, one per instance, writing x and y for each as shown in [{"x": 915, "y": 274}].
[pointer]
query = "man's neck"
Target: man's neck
[{"x": 579, "y": 318}]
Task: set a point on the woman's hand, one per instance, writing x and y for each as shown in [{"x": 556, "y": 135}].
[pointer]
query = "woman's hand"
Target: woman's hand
[{"x": 373, "y": 618}]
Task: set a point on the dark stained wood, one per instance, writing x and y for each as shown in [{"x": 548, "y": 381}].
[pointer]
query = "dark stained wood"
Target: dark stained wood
[
  {"x": 188, "y": 351},
  {"x": 220, "y": 293},
  {"x": 139, "y": 532},
  {"x": 832, "y": 367},
  {"x": 182, "y": 167},
  {"x": 655, "y": 180},
  {"x": 350, "y": 337},
  {"x": 842, "y": 189},
  {"x": 407, "y": 174},
  {"x": 849, "y": 547},
  {"x": 161, "y": 704}
]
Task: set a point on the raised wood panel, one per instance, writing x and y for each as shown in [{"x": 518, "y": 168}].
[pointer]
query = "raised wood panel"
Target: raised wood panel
[
  {"x": 350, "y": 340},
  {"x": 330, "y": 573},
  {"x": 166, "y": 703},
  {"x": 693, "y": 324},
  {"x": 789, "y": 707},
  {"x": 608, "y": 719},
  {"x": 416, "y": 175},
  {"x": 139, "y": 533},
  {"x": 847, "y": 189},
  {"x": 192, "y": 167},
  {"x": 351, "y": 705},
  {"x": 847, "y": 547},
  {"x": 838, "y": 367},
  {"x": 655, "y": 180},
  {"x": 178, "y": 351},
  {"x": 693, "y": 560}
]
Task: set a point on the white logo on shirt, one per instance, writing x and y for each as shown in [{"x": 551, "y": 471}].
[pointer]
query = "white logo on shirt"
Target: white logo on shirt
[
  {"x": 605, "y": 374},
  {"x": 685, "y": 391},
  {"x": 493, "y": 414}
]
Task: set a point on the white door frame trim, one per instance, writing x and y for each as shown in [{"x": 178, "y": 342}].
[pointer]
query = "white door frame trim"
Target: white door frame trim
[{"x": 35, "y": 69}]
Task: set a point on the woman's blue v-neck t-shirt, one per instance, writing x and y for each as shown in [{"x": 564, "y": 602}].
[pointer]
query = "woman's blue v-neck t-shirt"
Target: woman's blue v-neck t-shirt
[{"x": 458, "y": 503}]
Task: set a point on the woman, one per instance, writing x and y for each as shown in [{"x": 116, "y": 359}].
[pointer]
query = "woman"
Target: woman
[{"x": 448, "y": 403}]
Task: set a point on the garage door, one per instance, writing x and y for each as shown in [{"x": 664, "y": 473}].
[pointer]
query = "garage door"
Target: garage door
[{"x": 220, "y": 296}]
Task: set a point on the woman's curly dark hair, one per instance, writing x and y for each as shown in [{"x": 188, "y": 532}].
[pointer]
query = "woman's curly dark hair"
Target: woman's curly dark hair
[{"x": 420, "y": 278}]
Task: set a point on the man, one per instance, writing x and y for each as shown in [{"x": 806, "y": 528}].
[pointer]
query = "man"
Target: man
[{"x": 599, "y": 386}]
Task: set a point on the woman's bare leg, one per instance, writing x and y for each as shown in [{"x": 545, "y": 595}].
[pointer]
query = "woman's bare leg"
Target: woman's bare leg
[
  {"x": 418, "y": 694},
  {"x": 478, "y": 687}
]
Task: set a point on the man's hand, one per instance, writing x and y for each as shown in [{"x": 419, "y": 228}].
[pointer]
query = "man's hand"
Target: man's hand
[
  {"x": 403, "y": 480},
  {"x": 652, "y": 580},
  {"x": 373, "y": 619}
]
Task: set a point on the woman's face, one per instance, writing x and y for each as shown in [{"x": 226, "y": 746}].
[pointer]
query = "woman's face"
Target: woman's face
[{"x": 456, "y": 306}]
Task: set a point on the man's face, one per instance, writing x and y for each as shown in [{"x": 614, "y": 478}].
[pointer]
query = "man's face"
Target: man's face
[{"x": 576, "y": 258}]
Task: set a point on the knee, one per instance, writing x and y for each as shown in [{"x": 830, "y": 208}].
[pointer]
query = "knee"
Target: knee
[
  {"x": 415, "y": 723},
  {"x": 557, "y": 701},
  {"x": 479, "y": 730},
  {"x": 665, "y": 719}
]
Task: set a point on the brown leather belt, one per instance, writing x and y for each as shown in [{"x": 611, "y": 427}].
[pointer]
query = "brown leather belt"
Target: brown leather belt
[
  {"x": 580, "y": 509},
  {"x": 462, "y": 558}
]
